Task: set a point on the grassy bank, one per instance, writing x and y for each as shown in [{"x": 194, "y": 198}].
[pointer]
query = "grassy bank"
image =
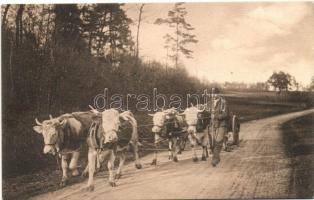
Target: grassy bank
[{"x": 298, "y": 136}]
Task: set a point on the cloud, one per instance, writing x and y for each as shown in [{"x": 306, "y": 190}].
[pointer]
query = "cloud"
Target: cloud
[
  {"x": 283, "y": 15},
  {"x": 259, "y": 24},
  {"x": 239, "y": 41}
]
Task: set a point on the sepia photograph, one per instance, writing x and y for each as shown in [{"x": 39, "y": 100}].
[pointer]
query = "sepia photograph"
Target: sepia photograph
[{"x": 157, "y": 100}]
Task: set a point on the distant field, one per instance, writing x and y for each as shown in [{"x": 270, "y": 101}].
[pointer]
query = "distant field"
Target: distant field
[{"x": 249, "y": 106}]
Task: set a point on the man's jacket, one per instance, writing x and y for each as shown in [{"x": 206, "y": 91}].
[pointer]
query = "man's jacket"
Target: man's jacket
[{"x": 219, "y": 112}]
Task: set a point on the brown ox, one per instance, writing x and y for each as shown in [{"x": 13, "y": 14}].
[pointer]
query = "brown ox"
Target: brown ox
[{"x": 65, "y": 136}]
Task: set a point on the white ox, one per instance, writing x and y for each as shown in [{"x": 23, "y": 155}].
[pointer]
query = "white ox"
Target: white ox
[
  {"x": 117, "y": 139},
  {"x": 195, "y": 117},
  {"x": 168, "y": 125}
]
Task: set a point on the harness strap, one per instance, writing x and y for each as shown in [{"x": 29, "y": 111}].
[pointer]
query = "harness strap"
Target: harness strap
[{"x": 93, "y": 136}]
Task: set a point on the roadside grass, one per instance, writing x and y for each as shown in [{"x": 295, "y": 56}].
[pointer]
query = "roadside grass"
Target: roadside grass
[
  {"x": 27, "y": 172},
  {"x": 298, "y": 137}
]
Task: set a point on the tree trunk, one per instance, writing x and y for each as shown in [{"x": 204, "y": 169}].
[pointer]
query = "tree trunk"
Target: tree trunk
[
  {"x": 19, "y": 25},
  {"x": 138, "y": 32},
  {"x": 4, "y": 18},
  {"x": 11, "y": 69},
  {"x": 177, "y": 42}
]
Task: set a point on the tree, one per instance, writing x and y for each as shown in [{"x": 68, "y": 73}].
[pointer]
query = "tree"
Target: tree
[
  {"x": 280, "y": 80},
  {"x": 68, "y": 25},
  {"x": 181, "y": 37},
  {"x": 106, "y": 27},
  {"x": 138, "y": 30}
]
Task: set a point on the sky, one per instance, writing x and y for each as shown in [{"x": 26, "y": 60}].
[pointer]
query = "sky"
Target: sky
[{"x": 243, "y": 42}]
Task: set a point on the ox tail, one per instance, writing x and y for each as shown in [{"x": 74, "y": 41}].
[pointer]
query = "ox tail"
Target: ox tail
[{"x": 233, "y": 123}]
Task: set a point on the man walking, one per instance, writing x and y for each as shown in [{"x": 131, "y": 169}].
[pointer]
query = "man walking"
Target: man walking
[{"x": 219, "y": 122}]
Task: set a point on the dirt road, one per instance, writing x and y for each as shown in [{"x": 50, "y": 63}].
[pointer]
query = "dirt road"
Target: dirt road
[{"x": 259, "y": 168}]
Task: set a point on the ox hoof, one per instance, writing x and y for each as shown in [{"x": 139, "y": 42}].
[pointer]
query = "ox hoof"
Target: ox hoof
[
  {"x": 117, "y": 176},
  {"x": 112, "y": 184},
  {"x": 138, "y": 166},
  {"x": 215, "y": 162},
  {"x": 175, "y": 159},
  {"x": 75, "y": 172},
  {"x": 84, "y": 174},
  {"x": 154, "y": 162},
  {"x": 90, "y": 188},
  {"x": 227, "y": 149},
  {"x": 203, "y": 158},
  {"x": 180, "y": 152},
  {"x": 63, "y": 183},
  {"x": 195, "y": 159}
]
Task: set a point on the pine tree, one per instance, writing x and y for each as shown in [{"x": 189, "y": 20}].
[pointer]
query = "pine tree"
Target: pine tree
[
  {"x": 181, "y": 37},
  {"x": 107, "y": 28}
]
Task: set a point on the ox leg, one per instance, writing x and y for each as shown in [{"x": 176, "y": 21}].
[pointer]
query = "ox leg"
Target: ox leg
[
  {"x": 85, "y": 172},
  {"x": 154, "y": 162},
  {"x": 91, "y": 168},
  {"x": 174, "y": 149},
  {"x": 207, "y": 154},
  {"x": 170, "y": 144},
  {"x": 73, "y": 163},
  {"x": 138, "y": 164},
  {"x": 193, "y": 144},
  {"x": 64, "y": 166},
  {"x": 225, "y": 144},
  {"x": 204, "y": 153},
  {"x": 156, "y": 141},
  {"x": 180, "y": 142},
  {"x": 204, "y": 145},
  {"x": 210, "y": 141},
  {"x": 111, "y": 168},
  {"x": 121, "y": 163}
]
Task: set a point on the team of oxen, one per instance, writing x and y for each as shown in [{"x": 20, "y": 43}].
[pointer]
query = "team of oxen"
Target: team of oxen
[{"x": 111, "y": 134}]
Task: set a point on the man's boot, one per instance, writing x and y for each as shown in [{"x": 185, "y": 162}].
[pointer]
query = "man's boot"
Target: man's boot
[{"x": 216, "y": 156}]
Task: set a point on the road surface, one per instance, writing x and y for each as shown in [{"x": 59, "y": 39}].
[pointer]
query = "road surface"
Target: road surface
[{"x": 259, "y": 168}]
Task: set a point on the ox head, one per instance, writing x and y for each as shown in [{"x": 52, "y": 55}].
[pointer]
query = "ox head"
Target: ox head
[
  {"x": 50, "y": 129},
  {"x": 110, "y": 124},
  {"x": 192, "y": 114},
  {"x": 160, "y": 119}
]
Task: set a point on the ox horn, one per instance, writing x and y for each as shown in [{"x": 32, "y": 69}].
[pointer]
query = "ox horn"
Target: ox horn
[
  {"x": 37, "y": 122},
  {"x": 50, "y": 116},
  {"x": 181, "y": 114},
  {"x": 94, "y": 110},
  {"x": 91, "y": 107},
  {"x": 201, "y": 110}
]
